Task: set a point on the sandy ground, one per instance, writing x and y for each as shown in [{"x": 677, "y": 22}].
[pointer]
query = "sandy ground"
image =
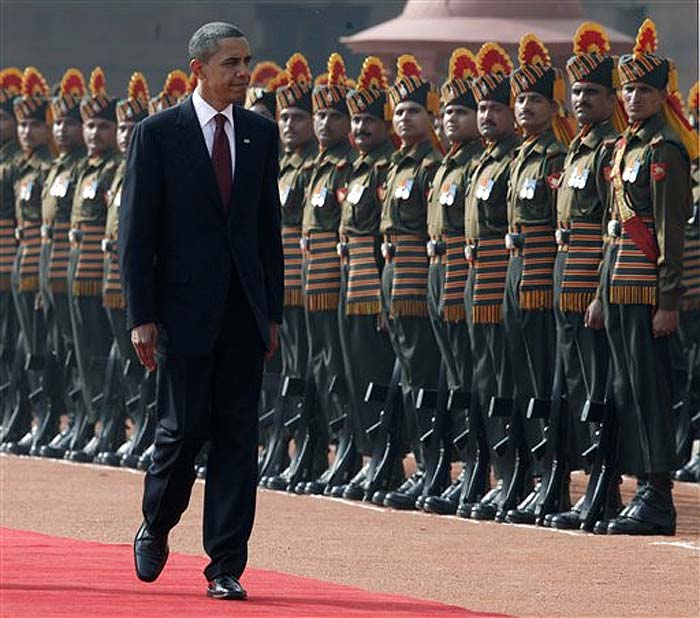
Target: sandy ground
[{"x": 519, "y": 570}]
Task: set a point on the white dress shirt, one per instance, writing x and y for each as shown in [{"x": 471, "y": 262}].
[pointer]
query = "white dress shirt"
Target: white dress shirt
[{"x": 205, "y": 115}]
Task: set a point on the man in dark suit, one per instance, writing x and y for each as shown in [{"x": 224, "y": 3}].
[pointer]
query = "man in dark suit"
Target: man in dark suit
[{"x": 201, "y": 256}]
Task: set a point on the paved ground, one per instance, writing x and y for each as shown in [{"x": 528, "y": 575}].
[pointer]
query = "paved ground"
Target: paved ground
[{"x": 518, "y": 570}]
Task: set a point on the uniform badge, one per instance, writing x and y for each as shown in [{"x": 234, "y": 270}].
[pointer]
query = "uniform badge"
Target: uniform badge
[
  {"x": 484, "y": 188},
  {"x": 89, "y": 189},
  {"x": 60, "y": 185},
  {"x": 284, "y": 192},
  {"x": 447, "y": 194},
  {"x": 658, "y": 171},
  {"x": 318, "y": 197},
  {"x": 404, "y": 189},
  {"x": 527, "y": 189},
  {"x": 355, "y": 193},
  {"x": 25, "y": 189},
  {"x": 631, "y": 172}
]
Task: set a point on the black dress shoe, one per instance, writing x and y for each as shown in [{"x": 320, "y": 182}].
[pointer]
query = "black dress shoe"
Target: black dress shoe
[
  {"x": 570, "y": 520},
  {"x": 150, "y": 554},
  {"x": 690, "y": 472},
  {"x": 601, "y": 526},
  {"x": 226, "y": 587},
  {"x": 650, "y": 512},
  {"x": 526, "y": 513}
]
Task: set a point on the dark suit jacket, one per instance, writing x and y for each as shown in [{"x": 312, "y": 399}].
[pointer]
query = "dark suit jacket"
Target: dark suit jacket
[{"x": 177, "y": 248}]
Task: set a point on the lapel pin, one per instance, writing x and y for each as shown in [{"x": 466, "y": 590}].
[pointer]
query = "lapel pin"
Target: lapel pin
[{"x": 246, "y": 140}]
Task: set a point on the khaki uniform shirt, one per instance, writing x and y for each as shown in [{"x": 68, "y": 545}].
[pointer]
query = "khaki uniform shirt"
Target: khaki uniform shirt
[
  {"x": 59, "y": 188},
  {"x": 93, "y": 182},
  {"x": 295, "y": 169}
]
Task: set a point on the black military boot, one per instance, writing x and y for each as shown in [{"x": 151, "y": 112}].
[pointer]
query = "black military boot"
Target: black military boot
[
  {"x": 21, "y": 446},
  {"x": 526, "y": 513},
  {"x": 355, "y": 489},
  {"x": 690, "y": 472},
  {"x": 405, "y": 496},
  {"x": 446, "y": 503},
  {"x": 568, "y": 520},
  {"x": 487, "y": 508},
  {"x": 651, "y": 512}
]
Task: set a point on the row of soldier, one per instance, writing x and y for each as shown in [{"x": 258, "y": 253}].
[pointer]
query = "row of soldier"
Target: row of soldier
[{"x": 462, "y": 349}]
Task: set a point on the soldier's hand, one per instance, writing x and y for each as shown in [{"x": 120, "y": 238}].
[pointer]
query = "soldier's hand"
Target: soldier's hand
[
  {"x": 594, "y": 315},
  {"x": 274, "y": 342},
  {"x": 144, "y": 338},
  {"x": 665, "y": 322}
]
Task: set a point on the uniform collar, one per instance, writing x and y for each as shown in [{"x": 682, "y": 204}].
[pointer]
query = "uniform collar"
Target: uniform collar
[
  {"x": 460, "y": 153},
  {"x": 539, "y": 144},
  {"x": 596, "y": 134},
  {"x": 417, "y": 152},
  {"x": 502, "y": 147},
  {"x": 99, "y": 160},
  {"x": 382, "y": 151},
  {"x": 38, "y": 157},
  {"x": 205, "y": 112},
  {"x": 648, "y": 128},
  {"x": 298, "y": 157},
  {"x": 71, "y": 156},
  {"x": 336, "y": 153}
]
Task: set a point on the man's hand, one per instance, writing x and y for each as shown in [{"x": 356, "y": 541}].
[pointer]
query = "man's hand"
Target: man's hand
[
  {"x": 274, "y": 342},
  {"x": 594, "y": 315},
  {"x": 664, "y": 322},
  {"x": 144, "y": 338}
]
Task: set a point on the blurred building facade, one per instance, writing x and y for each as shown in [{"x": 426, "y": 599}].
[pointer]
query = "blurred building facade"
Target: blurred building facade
[{"x": 151, "y": 35}]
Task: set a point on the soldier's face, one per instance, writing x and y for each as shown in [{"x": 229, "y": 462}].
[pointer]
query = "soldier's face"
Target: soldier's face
[
  {"x": 330, "y": 127},
  {"x": 8, "y": 127},
  {"x": 296, "y": 128},
  {"x": 642, "y": 101},
  {"x": 495, "y": 120},
  {"x": 412, "y": 122},
  {"x": 124, "y": 131},
  {"x": 32, "y": 134},
  {"x": 534, "y": 112},
  {"x": 368, "y": 131},
  {"x": 224, "y": 76},
  {"x": 67, "y": 133},
  {"x": 459, "y": 123},
  {"x": 100, "y": 135},
  {"x": 592, "y": 103},
  {"x": 261, "y": 109}
]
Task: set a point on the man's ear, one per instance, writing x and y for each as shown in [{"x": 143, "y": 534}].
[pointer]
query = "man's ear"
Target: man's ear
[{"x": 196, "y": 67}]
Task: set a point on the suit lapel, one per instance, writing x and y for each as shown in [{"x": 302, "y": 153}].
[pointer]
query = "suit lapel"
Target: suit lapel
[
  {"x": 244, "y": 160},
  {"x": 196, "y": 153}
]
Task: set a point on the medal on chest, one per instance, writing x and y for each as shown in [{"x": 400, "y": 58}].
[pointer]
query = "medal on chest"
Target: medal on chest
[
  {"x": 448, "y": 192},
  {"x": 484, "y": 188},
  {"x": 631, "y": 172},
  {"x": 318, "y": 197},
  {"x": 355, "y": 193},
  {"x": 527, "y": 189},
  {"x": 25, "y": 189},
  {"x": 60, "y": 185},
  {"x": 284, "y": 192},
  {"x": 578, "y": 177},
  {"x": 89, "y": 189},
  {"x": 404, "y": 189}
]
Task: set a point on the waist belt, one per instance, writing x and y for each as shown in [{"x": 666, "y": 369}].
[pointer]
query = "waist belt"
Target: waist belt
[
  {"x": 108, "y": 245},
  {"x": 614, "y": 228},
  {"x": 634, "y": 276},
  {"x": 322, "y": 288},
  {"x": 293, "y": 296},
  {"x": 364, "y": 284},
  {"x": 490, "y": 268},
  {"x": 75, "y": 235},
  {"x": 435, "y": 248},
  {"x": 410, "y": 282},
  {"x": 562, "y": 235},
  {"x": 471, "y": 253},
  {"x": 585, "y": 252},
  {"x": 514, "y": 241}
]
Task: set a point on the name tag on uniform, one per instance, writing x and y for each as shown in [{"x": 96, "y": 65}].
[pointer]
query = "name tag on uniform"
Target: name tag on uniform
[
  {"x": 484, "y": 188},
  {"x": 355, "y": 193},
  {"x": 89, "y": 189},
  {"x": 578, "y": 178},
  {"x": 25, "y": 189},
  {"x": 527, "y": 189},
  {"x": 631, "y": 172},
  {"x": 60, "y": 185},
  {"x": 318, "y": 197},
  {"x": 404, "y": 189},
  {"x": 447, "y": 194},
  {"x": 284, "y": 193}
]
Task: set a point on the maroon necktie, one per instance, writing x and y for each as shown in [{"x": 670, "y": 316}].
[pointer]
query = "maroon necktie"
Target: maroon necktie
[{"x": 221, "y": 158}]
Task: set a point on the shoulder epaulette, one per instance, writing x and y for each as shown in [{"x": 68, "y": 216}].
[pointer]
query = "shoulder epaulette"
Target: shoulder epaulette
[
  {"x": 381, "y": 164},
  {"x": 554, "y": 149},
  {"x": 341, "y": 164}
]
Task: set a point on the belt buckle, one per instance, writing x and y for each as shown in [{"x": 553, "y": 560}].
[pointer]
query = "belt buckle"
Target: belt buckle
[
  {"x": 510, "y": 243},
  {"x": 430, "y": 248},
  {"x": 304, "y": 244},
  {"x": 46, "y": 231},
  {"x": 614, "y": 228},
  {"x": 470, "y": 253},
  {"x": 19, "y": 233},
  {"x": 74, "y": 235},
  {"x": 387, "y": 250},
  {"x": 562, "y": 235},
  {"x": 342, "y": 249},
  {"x": 106, "y": 245}
]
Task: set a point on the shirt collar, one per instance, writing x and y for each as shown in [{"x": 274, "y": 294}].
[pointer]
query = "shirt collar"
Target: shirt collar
[
  {"x": 648, "y": 128},
  {"x": 205, "y": 112},
  {"x": 502, "y": 147}
]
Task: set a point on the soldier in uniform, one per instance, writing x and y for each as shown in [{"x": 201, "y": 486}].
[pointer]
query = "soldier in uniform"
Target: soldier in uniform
[
  {"x": 650, "y": 205},
  {"x": 367, "y": 352},
  {"x": 405, "y": 277},
  {"x": 690, "y": 307},
  {"x": 326, "y": 192},
  {"x": 29, "y": 177},
  {"x": 486, "y": 223},
  {"x": 124, "y": 362},
  {"x": 56, "y": 204},
  {"x": 261, "y": 96},
  {"x": 536, "y": 88},
  {"x": 91, "y": 332},
  {"x": 293, "y": 103},
  {"x": 448, "y": 273},
  {"x": 14, "y": 408},
  {"x": 581, "y": 204}
]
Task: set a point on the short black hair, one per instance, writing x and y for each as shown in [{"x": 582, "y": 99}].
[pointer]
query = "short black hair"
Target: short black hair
[{"x": 205, "y": 41}]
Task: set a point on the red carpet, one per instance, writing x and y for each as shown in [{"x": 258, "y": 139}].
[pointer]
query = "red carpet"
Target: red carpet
[{"x": 49, "y": 576}]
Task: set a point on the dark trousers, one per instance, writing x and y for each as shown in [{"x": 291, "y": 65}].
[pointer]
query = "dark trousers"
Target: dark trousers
[
  {"x": 294, "y": 345},
  {"x": 368, "y": 357},
  {"x": 211, "y": 397}
]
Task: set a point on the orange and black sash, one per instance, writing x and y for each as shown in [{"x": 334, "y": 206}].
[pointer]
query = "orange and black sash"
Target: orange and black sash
[
  {"x": 634, "y": 277},
  {"x": 322, "y": 288},
  {"x": 58, "y": 260},
  {"x": 90, "y": 268},
  {"x": 691, "y": 274},
  {"x": 539, "y": 252},
  {"x": 585, "y": 252},
  {"x": 113, "y": 294},
  {"x": 490, "y": 270},
  {"x": 364, "y": 295},
  {"x": 8, "y": 249},
  {"x": 456, "y": 271},
  {"x": 29, "y": 251},
  {"x": 410, "y": 285},
  {"x": 293, "y": 296}
]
